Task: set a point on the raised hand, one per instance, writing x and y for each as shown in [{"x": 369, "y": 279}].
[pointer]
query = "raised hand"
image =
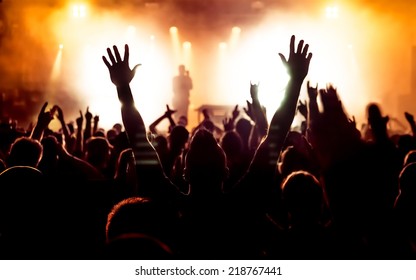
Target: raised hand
[
  {"x": 120, "y": 72},
  {"x": 312, "y": 91},
  {"x": 96, "y": 118},
  {"x": 80, "y": 120},
  {"x": 254, "y": 91},
  {"x": 45, "y": 117},
  {"x": 88, "y": 115},
  {"x": 249, "y": 110},
  {"x": 169, "y": 112},
  {"x": 298, "y": 63},
  {"x": 60, "y": 113},
  {"x": 228, "y": 124},
  {"x": 330, "y": 99},
  {"x": 235, "y": 113}
]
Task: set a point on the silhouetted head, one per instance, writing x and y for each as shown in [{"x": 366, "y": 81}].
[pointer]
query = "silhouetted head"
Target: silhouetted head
[
  {"x": 243, "y": 127},
  {"x": 97, "y": 151},
  {"x": 161, "y": 144},
  {"x": 183, "y": 121},
  {"x": 137, "y": 215},
  {"x": 292, "y": 160},
  {"x": 178, "y": 137},
  {"x": 25, "y": 152},
  {"x": 100, "y": 133},
  {"x": 118, "y": 127},
  {"x": 232, "y": 144},
  {"x": 303, "y": 197},
  {"x": 205, "y": 162}
]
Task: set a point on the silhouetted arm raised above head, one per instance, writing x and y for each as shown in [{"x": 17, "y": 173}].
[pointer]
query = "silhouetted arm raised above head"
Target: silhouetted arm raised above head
[
  {"x": 168, "y": 115},
  {"x": 297, "y": 66},
  {"x": 44, "y": 118},
  {"x": 146, "y": 159},
  {"x": 121, "y": 75}
]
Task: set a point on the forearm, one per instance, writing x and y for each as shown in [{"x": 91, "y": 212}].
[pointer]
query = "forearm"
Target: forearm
[
  {"x": 87, "y": 131},
  {"x": 313, "y": 111},
  {"x": 269, "y": 150},
  {"x": 37, "y": 132},
  {"x": 171, "y": 121},
  {"x": 143, "y": 151},
  {"x": 152, "y": 127},
  {"x": 78, "y": 143},
  {"x": 95, "y": 127}
]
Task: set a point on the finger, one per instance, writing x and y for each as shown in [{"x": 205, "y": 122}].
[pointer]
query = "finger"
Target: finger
[
  {"x": 111, "y": 56},
  {"x": 300, "y": 46},
  {"x": 309, "y": 57},
  {"x": 126, "y": 52},
  {"x": 283, "y": 58},
  {"x": 117, "y": 53},
  {"x": 167, "y": 107},
  {"x": 236, "y": 107},
  {"x": 80, "y": 113},
  {"x": 292, "y": 44},
  {"x": 305, "y": 50},
  {"x": 44, "y": 107},
  {"x": 106, "y": 62},
  {"x": 308, "y": 84},
  {"x": 88, "y": 108}
]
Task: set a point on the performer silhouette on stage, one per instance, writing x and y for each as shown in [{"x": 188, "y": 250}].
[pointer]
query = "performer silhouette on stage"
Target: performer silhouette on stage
[{"x": 182, "y": 84}]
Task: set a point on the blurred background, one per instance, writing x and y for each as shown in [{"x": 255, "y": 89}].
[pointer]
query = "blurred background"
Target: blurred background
[{"x": 51, "y": 51}]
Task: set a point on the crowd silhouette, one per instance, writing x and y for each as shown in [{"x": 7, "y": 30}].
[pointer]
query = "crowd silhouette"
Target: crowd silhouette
[{"x": 250, "y": 190}]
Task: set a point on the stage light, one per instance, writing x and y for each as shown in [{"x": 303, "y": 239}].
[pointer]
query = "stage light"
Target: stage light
[
  {"x": 173, "y": 29},
  {"x": 61, "y": 46},
  {"x": 222, "y": 46},
  {"x": 79, "y": 11},
  {"x": 332, "y": 12},
  {"x": 152, "y": 37},
  {"x": 236, "y": 30},
  {"x": 131, "y": 29},
  {"x": 187, "y": 45}
]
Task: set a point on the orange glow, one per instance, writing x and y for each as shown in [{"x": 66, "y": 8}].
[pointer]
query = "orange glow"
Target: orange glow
[{"x": 356, "y": 52}]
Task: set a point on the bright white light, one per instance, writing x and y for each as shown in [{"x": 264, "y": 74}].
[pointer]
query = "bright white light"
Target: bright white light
[
  {"x": 332, "y": 12},
  {"x": 131, "y": 29},
  {"x": 82, "y": 11},
  {"x": 152, "y": 37},
  {"x": 79, "y": 11},
  {"x": 236, "y": 30},
  {"x": 187, "y": 45},
  {"x": 222, "y": 46},
  {"x": 173, "y": 29},
  {"x": 61, "y": 46}
]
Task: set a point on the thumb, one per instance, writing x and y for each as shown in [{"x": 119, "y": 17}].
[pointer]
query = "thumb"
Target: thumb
[
  {"x": 135, "y": 68},
  {"x": 283, "y": 58}
]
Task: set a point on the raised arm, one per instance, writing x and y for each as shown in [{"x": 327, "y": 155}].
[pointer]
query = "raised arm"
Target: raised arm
[
  {"x": 297, "y": 66},
  {"x": 44, "y": 118},
  {"x": 87, "y": 130},
  {"x": 168, "y": 115},
  {"x": 146, "y": 159},
  {"x": 69, "y": 142}
]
